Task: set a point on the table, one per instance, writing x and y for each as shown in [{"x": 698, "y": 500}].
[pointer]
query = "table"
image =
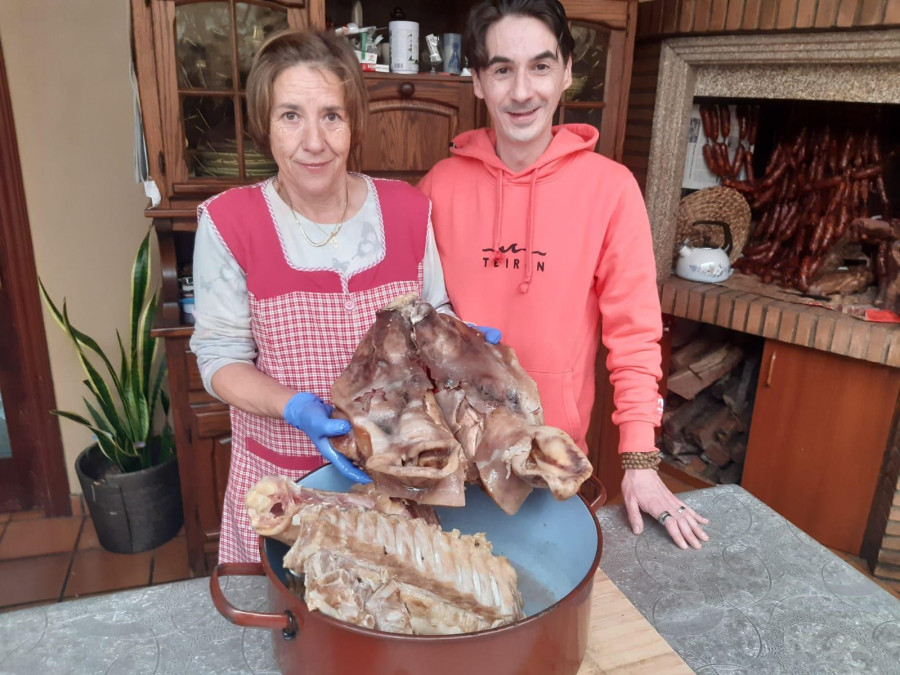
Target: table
[
  {"x": 175, "y": 629},
  {"x": 760, "y": 597}
]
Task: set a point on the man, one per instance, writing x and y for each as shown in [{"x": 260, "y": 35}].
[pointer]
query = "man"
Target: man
[{"x": 542, "y": 237}]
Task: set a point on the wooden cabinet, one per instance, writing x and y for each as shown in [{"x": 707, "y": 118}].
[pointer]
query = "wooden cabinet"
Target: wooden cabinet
[
  {"x": 203, "y": 441},
  {"x": 601, "y": 69},
  {"x": 412, "y": 121},
  {"x": 820, "y": 427},
  {"x": 192, "y": 59}
]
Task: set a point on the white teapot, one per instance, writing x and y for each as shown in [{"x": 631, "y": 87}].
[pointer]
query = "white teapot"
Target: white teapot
[{"x": 705, "y": 263}]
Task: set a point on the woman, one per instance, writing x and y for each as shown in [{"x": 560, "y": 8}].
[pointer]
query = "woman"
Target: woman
[{"x": 289, "y": 273}]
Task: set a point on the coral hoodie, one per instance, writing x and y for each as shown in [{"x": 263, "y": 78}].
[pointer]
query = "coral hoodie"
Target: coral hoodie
[{"x": 543, "y": 254}]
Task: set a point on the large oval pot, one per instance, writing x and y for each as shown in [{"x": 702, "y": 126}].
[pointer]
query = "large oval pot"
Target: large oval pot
[{"x": 555, "y": 547}]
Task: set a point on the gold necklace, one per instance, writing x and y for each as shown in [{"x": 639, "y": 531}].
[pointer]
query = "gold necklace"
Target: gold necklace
[{"x": 334, "y": 233}]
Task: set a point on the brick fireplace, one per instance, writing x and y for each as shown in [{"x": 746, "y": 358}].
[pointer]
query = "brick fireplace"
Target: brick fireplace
[{"x": 857, "y": 66}]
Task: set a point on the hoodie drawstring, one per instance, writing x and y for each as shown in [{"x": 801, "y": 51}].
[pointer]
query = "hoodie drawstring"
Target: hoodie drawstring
[
  {"x": 498, "y": 216},
  {"x": 529, "y": 237},
  {"x": 480, "y": 145}
]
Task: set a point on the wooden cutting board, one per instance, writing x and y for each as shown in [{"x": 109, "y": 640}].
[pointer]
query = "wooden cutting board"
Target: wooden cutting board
[{"x": 621, "y": 640}]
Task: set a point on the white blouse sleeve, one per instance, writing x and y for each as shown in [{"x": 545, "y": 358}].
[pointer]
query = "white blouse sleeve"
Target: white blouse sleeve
[
  {"x": 222, "y": 332},
  {"x": 434, "y": 292}
]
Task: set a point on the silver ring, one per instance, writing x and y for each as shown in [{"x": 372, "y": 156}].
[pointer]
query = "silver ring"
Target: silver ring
[
  {"x": 681, "y": 509},
  {"x": 663, "y": 517}
]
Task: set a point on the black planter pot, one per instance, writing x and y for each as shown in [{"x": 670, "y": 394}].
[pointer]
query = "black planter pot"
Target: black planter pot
[{"x": 132, "y": 512}]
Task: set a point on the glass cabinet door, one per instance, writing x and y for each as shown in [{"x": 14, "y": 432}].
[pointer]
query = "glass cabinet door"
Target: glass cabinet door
[
  {"x": 584, "y": 101},
  {"x": 601, "y": 68},
  {"x": 214, "y": 45}
]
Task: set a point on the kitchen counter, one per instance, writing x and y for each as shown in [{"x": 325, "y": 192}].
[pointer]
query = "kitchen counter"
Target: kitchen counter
[{"x": 760, "y": 597}]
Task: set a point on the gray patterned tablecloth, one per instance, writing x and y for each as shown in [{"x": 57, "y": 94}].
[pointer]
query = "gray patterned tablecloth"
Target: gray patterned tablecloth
[
  {"x": 760, "y": 597},
  {"x": 163, "y": 629}
]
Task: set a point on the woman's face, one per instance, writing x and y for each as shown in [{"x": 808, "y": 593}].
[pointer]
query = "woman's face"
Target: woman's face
[{"x": 309, "y": 130}]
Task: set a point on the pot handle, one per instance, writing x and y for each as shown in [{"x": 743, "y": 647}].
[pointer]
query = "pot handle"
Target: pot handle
[
  {"x": 599, "y": 489},
  {"x": 286, "y": 621}
]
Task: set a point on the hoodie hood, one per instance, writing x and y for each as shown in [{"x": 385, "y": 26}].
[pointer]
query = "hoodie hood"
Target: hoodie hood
[{"x": 481, "y": 145}]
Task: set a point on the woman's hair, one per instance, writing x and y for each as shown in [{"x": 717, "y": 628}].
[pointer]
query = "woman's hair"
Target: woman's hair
[
  {"x": 484, "y": 15},
  {"x": 318, "y": 49}
]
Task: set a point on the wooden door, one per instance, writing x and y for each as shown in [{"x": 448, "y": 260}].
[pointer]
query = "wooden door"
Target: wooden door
[
  {"x": 820, "y": 428},
  {"x": 32, "y": 468},
  {"x": 412, "y": 121}
]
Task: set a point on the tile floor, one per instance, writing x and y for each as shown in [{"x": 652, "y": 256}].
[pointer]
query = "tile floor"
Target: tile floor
[{"x": 44, "y": 560}]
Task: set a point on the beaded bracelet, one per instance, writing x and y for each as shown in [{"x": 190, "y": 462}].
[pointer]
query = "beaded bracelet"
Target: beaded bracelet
[{"x": 641, "y": 460}]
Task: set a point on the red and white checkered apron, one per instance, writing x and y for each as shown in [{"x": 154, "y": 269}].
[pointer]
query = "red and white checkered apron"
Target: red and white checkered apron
[{"x": 306, "y": 324}]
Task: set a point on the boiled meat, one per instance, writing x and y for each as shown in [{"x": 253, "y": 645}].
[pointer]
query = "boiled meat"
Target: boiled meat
[
  {"x": 433, "y": 405},
  {"x": 274, "y": 501},
  {"x": 401, "y": 575},
  {"x": 493, "y": 407},
  {"x": 399, "y": 435}
]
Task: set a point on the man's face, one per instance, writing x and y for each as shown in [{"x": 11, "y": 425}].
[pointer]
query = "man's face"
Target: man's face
[{"x": 523, "y": 80}]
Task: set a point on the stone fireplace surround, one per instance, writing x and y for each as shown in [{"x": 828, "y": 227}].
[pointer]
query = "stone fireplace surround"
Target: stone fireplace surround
[{"x": 859, "y": 67}]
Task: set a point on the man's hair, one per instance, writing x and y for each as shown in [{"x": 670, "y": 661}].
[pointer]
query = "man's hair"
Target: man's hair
[
  {"x": 317, "y": 49},
  {"x": 485, "y": 14}
]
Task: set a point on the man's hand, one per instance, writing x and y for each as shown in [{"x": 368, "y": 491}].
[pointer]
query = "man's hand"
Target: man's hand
[{"x": 643, "y": 490}]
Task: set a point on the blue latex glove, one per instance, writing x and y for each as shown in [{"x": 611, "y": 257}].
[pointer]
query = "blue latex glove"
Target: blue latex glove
[
  {"x": 312, "y": 416},
  {"x": 491, "y": 335}
]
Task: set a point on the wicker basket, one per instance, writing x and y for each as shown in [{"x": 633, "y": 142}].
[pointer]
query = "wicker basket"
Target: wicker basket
[{"x": 715, "y": 203}]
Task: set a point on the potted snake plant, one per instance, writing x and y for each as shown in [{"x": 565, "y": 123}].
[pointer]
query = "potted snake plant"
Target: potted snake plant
[{"x": 129, "y": 475}]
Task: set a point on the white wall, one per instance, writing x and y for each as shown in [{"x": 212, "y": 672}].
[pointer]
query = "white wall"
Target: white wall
[{"x": 67, "y": 63}]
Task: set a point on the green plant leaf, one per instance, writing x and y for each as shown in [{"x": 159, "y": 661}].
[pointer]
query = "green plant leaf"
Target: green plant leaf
[
  {"x": 149, "y": 345},
  {"x": 78, "y": 338},
  {"x": 74, "y": 417},
  {"x": 112, "y": 444},
  {"x": 140, "y": 283},
  {"x": 141, "y": 417},
  {"x": 98, "y": 385},
  {"x": 122, "y": 418},
  {"x": 129, "y": 406},
  {"x": 114, "y": 421},
  {"x": 123, "y": 361},
  {"x": 123, "y": 444},
  {"x": 107, "y": 444},
  {"x": 157, "y": 393}
]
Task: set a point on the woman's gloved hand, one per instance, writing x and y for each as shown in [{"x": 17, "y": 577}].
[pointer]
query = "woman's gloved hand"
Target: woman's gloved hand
[
  {"x": 491, "y": 335},
  {"x": 312, "y": 416}
]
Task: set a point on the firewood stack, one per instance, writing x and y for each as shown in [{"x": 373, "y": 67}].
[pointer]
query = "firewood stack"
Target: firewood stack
[{"x": 711, "y": 387}]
